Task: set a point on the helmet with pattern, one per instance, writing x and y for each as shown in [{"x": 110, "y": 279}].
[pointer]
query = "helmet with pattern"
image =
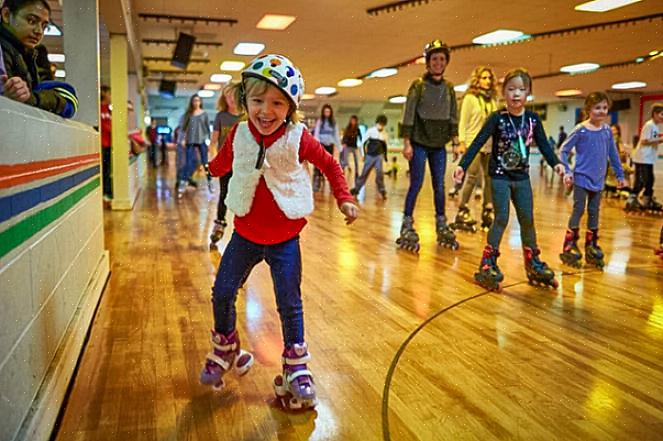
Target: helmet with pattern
[
  {"x": 279, "y": 71},
  {"x": 436, "y": 46}
]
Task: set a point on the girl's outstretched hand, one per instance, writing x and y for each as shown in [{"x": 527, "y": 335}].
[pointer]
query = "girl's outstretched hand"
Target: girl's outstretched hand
[
  {"x": 559, "y": 169},
  {"x": 458, "y": 175},
  {"x": 351, "y": 212}
]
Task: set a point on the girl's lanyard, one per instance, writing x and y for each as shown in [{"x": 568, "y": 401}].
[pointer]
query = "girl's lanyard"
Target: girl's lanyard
[{"x": 521, "y": 141}]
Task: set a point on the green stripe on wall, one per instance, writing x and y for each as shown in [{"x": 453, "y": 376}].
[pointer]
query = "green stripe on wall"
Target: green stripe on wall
[{"x": 28, "y": 227}]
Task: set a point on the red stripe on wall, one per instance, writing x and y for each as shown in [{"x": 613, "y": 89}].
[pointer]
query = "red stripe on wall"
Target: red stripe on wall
[{"x": 16, "y": 174}]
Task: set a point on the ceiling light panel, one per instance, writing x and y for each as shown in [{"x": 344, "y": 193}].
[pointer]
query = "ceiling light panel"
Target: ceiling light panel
[
  {"x": 325, "y": 90},
  {"x": 275, "y": 22},
  {"x": 399, "y": 99},
  {"x": 603, "y": 5},
  {"x": 350, "y": 82},
  {"x": 56, "y": 58},
  {"x": 232, "y": 66},
  {"x": 221, "y": 78},
  {"x": 579, "y": 68},
  {"x": 629, "y": 85},
  {"x": 568, "y": 92},
  {"x": 500, "y": 36},
  {"x": 205, "y": 93},
  {"x": 383, "y": 73},
  {"x": 248, "y": 48},
  {"x": 460, "y": 88}
]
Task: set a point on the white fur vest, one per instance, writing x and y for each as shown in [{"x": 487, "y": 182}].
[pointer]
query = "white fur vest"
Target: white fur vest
[{"x": 286, "y": 178}]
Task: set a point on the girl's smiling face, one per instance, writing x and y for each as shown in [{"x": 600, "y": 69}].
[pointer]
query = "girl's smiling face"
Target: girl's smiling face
[
  {"x": 268, "y": 111},
  {"x": 515, "y": 93},
  {"x": 598, "y": 112}
]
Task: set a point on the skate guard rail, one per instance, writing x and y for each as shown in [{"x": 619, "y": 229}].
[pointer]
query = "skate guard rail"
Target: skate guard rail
[{"x": 53, "y": 266}]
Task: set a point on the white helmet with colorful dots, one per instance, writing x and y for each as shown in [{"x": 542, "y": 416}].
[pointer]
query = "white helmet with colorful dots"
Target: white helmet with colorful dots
[{"x": 279, "y": 71}]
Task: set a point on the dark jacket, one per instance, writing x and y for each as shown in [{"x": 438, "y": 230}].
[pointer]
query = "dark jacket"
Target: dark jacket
[{"x": 20, "y": 62}]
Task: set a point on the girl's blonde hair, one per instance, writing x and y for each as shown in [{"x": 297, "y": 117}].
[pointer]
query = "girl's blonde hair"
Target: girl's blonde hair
[
  {"x": 519, "y": 72},
  {"x": 476, "y": 77},
  {"x": 593, "y": 99},
  {"x": 252, "y": 86},
  {"x": 221, "y": 103}
]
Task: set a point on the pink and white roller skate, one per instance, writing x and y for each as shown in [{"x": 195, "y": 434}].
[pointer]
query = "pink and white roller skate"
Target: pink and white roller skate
[
  {"x": 295, "y": 389},
  {"x": 225, "y": 355}
]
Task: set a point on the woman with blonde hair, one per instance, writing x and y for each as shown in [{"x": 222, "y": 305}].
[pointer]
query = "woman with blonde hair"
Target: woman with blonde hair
[{"x": 479, "y": 102}]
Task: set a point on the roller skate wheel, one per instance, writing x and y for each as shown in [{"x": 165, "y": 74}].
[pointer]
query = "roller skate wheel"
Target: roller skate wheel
[
  {"x": 554, "y": 283},
  {"x": 243, "y": 362},
  {"x": 218, "y": 387},
  {"x": 280, "y": 389},
  {"x": 212, "y": 247}
]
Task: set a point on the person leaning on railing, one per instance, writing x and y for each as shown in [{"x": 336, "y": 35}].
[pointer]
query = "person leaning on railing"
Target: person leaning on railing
[{"x": 21, "y": 30}]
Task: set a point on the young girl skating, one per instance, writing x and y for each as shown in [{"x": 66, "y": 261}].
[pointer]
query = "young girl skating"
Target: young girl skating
[
  {"x": 270, "y": 193},
  {"x": 513, "y": 130},
  {"x": 594, "y": 145}
]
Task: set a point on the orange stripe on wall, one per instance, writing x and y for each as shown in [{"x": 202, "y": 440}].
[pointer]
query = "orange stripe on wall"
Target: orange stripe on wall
[{"x": 16, "y": 174}]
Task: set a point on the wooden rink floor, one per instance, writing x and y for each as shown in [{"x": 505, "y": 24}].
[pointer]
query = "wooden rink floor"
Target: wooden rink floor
[{"x": 404, "y": 347}]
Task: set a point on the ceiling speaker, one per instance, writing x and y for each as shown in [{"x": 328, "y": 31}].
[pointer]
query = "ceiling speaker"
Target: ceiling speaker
[{"x": 183, "y": 49}]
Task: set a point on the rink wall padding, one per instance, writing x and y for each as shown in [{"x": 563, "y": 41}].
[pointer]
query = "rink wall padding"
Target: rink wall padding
[{"x": 53, "y": 266}]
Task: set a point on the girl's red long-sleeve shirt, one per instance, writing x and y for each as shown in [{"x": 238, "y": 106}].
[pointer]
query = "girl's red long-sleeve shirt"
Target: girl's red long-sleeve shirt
[{"x": 265, "y": 223}]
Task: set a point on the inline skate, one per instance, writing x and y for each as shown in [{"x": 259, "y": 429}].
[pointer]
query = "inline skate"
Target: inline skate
[
  {"x": 633, "y": 205},
  {"x": 226, "y": 355},
  {"x": 445, "y": 235},
  {"x": 409, "y": 239},
  {"x": 571, "y": 254},
  {"x": 217, "y": 233},
  {"x": 180, "y": 189},
  {"x": 455, "y": 190},
  {"x": 538, "y": 272},
  {"x": 464, "y": 221},
  {"x": 489, "y": 275},
  {"x": 487, "y": 218},
  {"x": 651, "y": 205},
  {"x": 593, "y": 253},
  {"x": 295, "y": 388},
  {"x": 208, "y": 175}
]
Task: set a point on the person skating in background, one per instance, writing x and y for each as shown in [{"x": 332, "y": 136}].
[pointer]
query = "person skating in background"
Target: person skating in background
[
  {"x": 644, "y": 158},
  {"x": 325, "y": 131},
  {"x": 270, "y": 194},
  {"x": 227, "y": 116},
  {"x": 513, "y": 131},
  {"x": 594, "y": 146},
  {"x": 430, "y": 121},
  {"x": 479, "y": 102},
  {"x": 194, "y": 135},
  {"x": 375, "y": 151},
  {"x": 350, "y": 143},
  {"x": 624, "y": 151}
]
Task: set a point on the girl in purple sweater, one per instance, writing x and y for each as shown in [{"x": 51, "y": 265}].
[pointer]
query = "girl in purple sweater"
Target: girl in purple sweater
[{"x": 594, "y": 145}]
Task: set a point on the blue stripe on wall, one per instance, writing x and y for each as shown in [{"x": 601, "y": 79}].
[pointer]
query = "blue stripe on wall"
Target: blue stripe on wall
[{"x": 17, "y": 203}]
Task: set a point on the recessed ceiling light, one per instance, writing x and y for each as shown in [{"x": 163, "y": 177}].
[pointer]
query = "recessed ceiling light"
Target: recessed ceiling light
[
  {"x": 530, "y": 98},
  {"x": 350, "y": 82},
  {"x": 205, "y": 93},
  {"x": 212, "y": 86},
  {"x": 420, "y": 60},
  {"x": 500, "y": 36},
  {"x": 653, "y": 53},
  {"x": 220, "y": 78},
  {"x": 383, "y": 73},
  {"x": 52, "y": 31},
  {"x": 460, "y": 88},
  {"x": 232, "y": 66},
  {"x": 60, "y": 73},
  {"x": 248, "y": 48},
  {"x": 308, "y": 96},
  {"x": 56, "y": 58},
  {"x": 603, "y": 5},
  {"x": 275, "y": 22},
  {"x": 325, "y": 90},
  {"x": 629, "y": 85},
  {"x": 580, "y": 67},
  {"x": 399, "y": 99},
  {"x": 568, "y": 92},
  {"x": 639, "y": 59}
]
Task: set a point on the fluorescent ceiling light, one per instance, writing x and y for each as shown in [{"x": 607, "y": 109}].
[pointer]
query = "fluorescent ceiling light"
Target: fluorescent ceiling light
[
  {"x": 500, "y": 36},
  {"x": 420, "y": 60},
  {"x": 248, "y": 48},
  {"x": 350, "y": 82},
  {"x": 603, "y": 5},
  {"x": 220, "y": 78},
  {"x": 212, "y": 86},
  {"x": 52, "y": 31},
  {"x": 399, "y": 99},
  {"x": 530, "y": 98},
  {"x": 232, "y": 66},
  {"x": 205, "y": 93},
  {"x": 56, "y": 58},
  {"x": 461, "y": 88},
  {"x": 60, "y": 73},
  {"x": 383, "y": 73},
  {"x": 652, "y": 53},
  {"x": 308, "y": 96},
  {"x": 629, "y": 85},
  {"x": 147, "y": 120},
  {"x": 578, "y": 68},
  {"x": 325, "y": 90},
  {"x": 568, "y": 92},
  {"x": 275, "y": 22}
]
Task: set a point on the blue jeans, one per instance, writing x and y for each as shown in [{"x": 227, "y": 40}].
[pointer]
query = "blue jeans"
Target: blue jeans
[
  {"x": 285, "y": 262},
  {"x": 520, "y": 193},
  {"x": 372, "y": 162},
  {"x": 437, "y": 161},
  {"x": 192, "y": 159}
]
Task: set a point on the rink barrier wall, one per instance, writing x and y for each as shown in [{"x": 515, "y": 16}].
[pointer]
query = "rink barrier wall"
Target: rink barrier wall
[{"x": 53, "y": 266}]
